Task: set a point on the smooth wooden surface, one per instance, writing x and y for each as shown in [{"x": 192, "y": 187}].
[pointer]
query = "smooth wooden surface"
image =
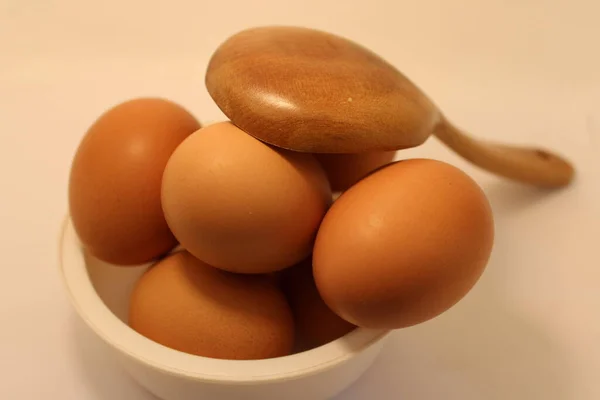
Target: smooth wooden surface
[
  {"x": 535, "y": 166},
  {"x": 314, "y": 91},
  {"x": 311, "y": 91},
  {"x": 519, "y": 72}
]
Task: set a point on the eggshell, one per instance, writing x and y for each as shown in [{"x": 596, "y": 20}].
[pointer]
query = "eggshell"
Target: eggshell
[
  {"x": 241, "y": 205},
  {"x": 403, "y": 245},
  {"x": 187, "y": 305},
  {"x": 344, "y": 170},
  {"x": 115, "y": 180},
  {"x": 316, "y": 324}
]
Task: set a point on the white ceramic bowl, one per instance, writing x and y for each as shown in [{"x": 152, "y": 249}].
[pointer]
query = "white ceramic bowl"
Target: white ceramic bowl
[{"x": 100, "y": 294}]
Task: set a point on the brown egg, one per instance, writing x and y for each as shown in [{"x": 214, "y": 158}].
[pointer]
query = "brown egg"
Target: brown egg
[
  {"x": 187, "y": 305},
  {"x": 344, "y": 170},
  {"x": 241, "y": 205},
  {"x": 316, "y": 324},
  {"x": 115, "y": 180},
  {"x": 403, "y": 245}
]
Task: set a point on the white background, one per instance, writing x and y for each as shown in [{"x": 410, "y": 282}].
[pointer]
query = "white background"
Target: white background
[{"x": 520, "y": 71}]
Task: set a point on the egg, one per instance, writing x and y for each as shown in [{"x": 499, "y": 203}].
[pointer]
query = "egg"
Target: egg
[
  {"x": 344, "y": 170},
  {"x": 316, "y": 324},
  {"x": 403, "y": 245},
  {"x": 189, "y": 306},
  {"x": 241, "y": 205},
  {"x": 115, "y": 180}
]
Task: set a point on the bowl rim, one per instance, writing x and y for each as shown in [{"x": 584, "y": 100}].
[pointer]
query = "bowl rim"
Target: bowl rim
[{"x": 100, "y": 319}]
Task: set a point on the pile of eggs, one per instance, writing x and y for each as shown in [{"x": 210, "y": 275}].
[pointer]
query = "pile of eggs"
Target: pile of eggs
[{"x": 251, "y": 256}]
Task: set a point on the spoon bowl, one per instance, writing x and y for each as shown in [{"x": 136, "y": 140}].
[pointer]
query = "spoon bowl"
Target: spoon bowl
[{"x": 310, "y": 91}]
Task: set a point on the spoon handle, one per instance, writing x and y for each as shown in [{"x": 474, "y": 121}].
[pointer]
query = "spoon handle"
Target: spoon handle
[{"x": 528, "y": 165}]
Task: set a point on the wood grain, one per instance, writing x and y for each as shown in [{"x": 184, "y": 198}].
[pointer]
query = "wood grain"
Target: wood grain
[{"x": 311, "y": 91}]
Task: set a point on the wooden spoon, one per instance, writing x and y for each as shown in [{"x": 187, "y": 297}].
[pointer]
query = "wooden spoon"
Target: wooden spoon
[{"x": 312, "y": 91}]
